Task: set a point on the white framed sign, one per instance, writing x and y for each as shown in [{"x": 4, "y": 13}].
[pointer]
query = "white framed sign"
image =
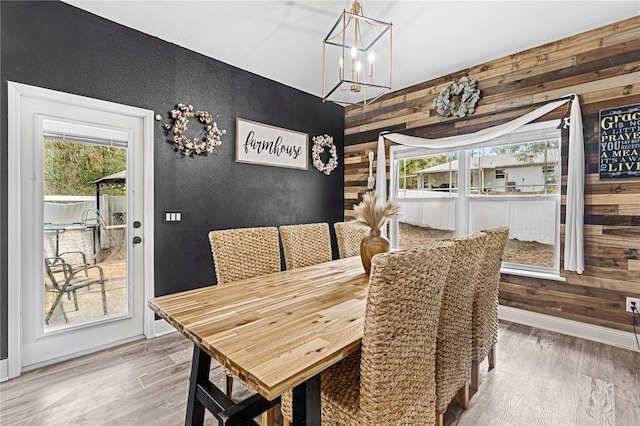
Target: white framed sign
[{"x": 258, "y": 143}]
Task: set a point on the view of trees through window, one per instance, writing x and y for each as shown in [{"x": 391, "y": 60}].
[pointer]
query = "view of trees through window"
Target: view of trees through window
[
  {"x": 411, "y": 166},
  {"x": 518, "y": 169},
  {"x": 71, "y": 168}
]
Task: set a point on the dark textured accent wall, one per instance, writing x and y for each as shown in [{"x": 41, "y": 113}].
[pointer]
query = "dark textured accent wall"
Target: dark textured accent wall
[{"x": 57, "y": 46}]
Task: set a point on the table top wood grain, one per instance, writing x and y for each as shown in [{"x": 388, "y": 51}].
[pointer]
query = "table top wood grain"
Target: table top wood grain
[{"x": 279, "y": 330}]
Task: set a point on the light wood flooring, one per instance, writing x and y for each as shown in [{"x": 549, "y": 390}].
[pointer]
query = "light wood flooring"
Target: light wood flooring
[{"x": 542, "y": 378}]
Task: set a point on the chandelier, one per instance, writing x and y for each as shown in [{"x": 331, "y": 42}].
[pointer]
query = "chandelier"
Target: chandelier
[{"x": 349, "y": 52}]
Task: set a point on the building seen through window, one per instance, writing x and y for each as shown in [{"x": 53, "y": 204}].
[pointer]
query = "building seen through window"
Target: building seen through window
[{"x": 513, "y": 182}]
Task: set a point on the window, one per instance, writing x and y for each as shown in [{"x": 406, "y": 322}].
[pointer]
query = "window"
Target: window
[{"x": 500, "y": 184}]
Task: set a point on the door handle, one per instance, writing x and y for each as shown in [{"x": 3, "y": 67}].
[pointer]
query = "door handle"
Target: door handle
[{"x": 137, "y": 240}]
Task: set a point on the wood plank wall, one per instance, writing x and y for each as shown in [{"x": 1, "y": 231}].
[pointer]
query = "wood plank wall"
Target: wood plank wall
[{"x": 601, "y": 66}]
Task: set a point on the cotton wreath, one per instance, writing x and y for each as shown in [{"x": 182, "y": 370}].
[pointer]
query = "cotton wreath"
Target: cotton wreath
[
  {"x": 319, "y": 144},
  {"x": 459, "y": 98},
  {"x": 181, "y": 116}
]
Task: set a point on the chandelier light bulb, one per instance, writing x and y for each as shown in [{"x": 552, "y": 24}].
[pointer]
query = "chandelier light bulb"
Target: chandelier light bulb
[
  {"x": 354, "y": 55},
  {"x": 370, "y": 64}
]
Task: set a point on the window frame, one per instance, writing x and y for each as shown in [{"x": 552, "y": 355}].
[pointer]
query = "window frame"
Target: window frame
[{"x": 463, "y": 199}]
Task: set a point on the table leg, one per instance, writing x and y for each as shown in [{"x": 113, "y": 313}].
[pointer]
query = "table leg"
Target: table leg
[
  {"x": 306, "y": 403},
  {"x": 200, "y": 366}
]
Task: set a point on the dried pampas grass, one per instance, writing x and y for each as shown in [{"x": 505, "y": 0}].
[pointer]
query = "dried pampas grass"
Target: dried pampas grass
[{"x": 373, "y": 212}]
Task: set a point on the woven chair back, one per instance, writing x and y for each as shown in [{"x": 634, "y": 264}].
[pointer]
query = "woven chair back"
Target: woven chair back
[
  {"x": 306, "y": 245},
  {"x": 453, "y": 357},
  {"x": 484, "y": 327},
  {"x": 397, "y": 366},
  {"x": 349, "y": 235},
  {"x": 245, "y": 253}
]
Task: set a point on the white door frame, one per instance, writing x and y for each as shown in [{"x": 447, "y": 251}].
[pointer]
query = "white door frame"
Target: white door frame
[{"x": 15, "y": 92}]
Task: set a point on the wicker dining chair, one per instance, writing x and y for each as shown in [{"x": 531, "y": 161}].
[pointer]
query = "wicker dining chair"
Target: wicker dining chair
[
  {"x": 349, "y": 235},
  {"x": 245, "y": 253},
  {"x": 391, "y": 380},
  {"x": 306, "y": 245},
  {"x": 484, "y": 328},
  {"x": 303, "y": 245},
  {"x": 453, "y": 353}
]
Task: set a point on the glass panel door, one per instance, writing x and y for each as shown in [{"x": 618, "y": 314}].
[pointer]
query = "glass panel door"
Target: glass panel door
[{"x": 82, "y": 171}]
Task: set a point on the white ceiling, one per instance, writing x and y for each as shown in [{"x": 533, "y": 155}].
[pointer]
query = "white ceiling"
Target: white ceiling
[{"x": 282, "y": 40}]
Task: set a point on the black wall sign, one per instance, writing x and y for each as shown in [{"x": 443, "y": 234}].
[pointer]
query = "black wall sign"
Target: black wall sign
[{"x": 619, "y": 142}]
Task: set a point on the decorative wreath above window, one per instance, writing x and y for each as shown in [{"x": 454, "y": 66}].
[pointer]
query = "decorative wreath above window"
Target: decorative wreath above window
[
  {"x": 181, "y": 116},
  {"x": 319, "y": 144},
  {"x": 459, "y": 98}
]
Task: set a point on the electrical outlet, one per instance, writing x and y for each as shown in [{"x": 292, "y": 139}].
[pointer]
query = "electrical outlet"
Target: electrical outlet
[{"x": 631, "y": 300}]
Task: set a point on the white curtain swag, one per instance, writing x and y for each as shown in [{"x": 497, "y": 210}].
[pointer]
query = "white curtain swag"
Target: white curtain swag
[{"x": 574, "y": 237}]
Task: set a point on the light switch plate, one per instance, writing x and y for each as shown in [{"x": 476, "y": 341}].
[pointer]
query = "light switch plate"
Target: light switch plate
[{"x": 172, "y": 216}]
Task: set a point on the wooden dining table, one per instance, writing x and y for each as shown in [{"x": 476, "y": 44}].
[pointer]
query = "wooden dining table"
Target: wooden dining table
[{"x": 275, "y": 332}]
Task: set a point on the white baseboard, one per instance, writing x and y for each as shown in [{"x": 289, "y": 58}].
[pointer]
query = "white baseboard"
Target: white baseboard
[
  {"x": 609, "y": 336},
  {"x": 4, "y": 373},
  {"x": 162, "y": 327}
]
